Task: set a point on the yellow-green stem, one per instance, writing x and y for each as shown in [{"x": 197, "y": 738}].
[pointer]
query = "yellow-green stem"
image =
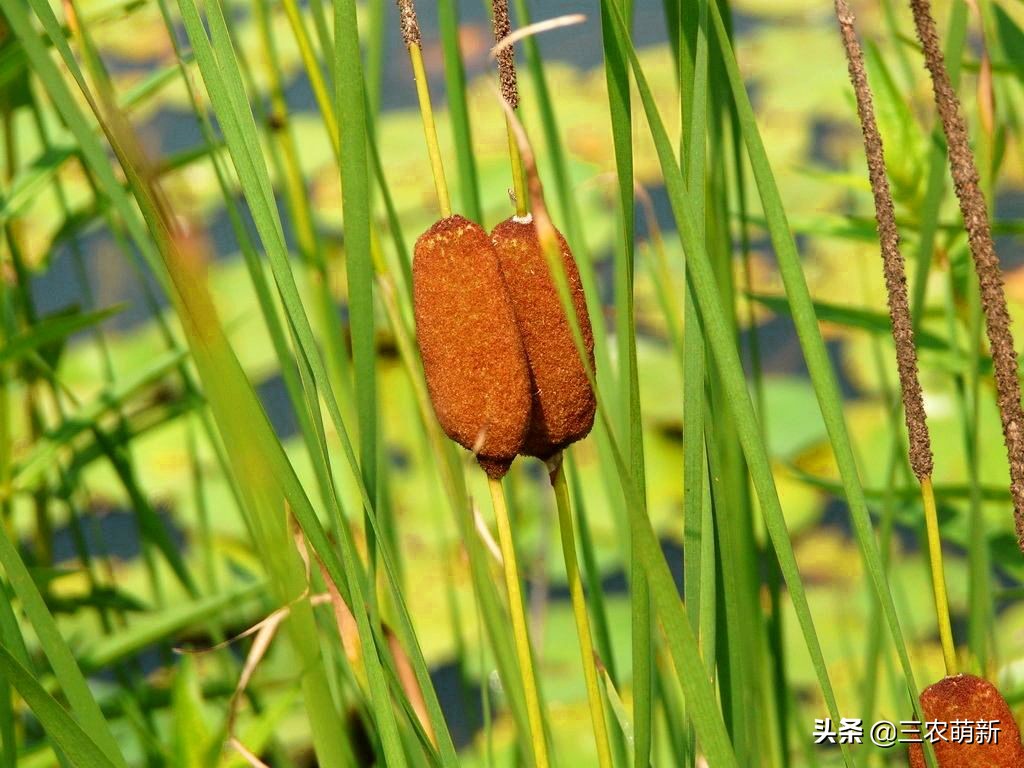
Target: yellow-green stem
[
  {"x": 518, "y": 173},
  {"x": 579, "y": 609},
  {"x": 519, "y": 631},
  {"x": 321, "y": 93},
  {"x": 931, "y": 520},
  {"x": 430, "y": 130}
]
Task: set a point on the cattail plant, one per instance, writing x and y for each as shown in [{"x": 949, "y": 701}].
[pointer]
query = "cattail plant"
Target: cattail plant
[
  {"x": 920, "y": 449},
  {"x": 473, "y": 360},
  {"x": 473, "y": 357},
  {"x": 986, "y": 263},
  {"x": 956, "y": 696},
  {"x": 564, "y": 402},
  {"x": 967, "y": 698}
]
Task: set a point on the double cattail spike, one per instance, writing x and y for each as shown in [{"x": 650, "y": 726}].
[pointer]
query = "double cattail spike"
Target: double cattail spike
[
  {"x": 473, "y": 358},
  {"x": 986, "y": 263}
]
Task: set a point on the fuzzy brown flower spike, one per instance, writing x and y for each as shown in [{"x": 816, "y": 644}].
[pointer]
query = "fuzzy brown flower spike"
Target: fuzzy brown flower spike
[
  {"x": 892, "y": 258},
  {"x": 506, "y": 56},
  {"x": 986, "y": 263},
  {"x": 473, "y": 356},
  {"x": 971, "y": 699},
  {"x": 409, "y": 24},
  {"x": 563, "y": 400}
]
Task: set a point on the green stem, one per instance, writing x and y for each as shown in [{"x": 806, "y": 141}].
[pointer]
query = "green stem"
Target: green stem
[
  {"x": 931, "y": 519},
  {"x": 430, "y": 130},
  {"x": 518, "y": 178},
  {"x": 519, "y": 630},
  {"x": 579, "y": 609}
]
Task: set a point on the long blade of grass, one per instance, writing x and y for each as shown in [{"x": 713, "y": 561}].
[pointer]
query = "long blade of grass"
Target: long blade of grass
[
  {"x": 71, "y": 737},
  {"x": 617, "y": 79},
  {"x": 50, "y": 330},
  {"x": 61, "y": 659},
  {"x": 355, "y": 200},
  {"x": 455, "y": 87}
]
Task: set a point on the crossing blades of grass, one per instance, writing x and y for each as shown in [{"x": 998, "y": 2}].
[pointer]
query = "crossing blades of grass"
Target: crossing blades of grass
[
  {"x": 726, "y": 356},
  {"x": 815, "y": 354},
  {"x": 62, "y": 660},
  {"x": 67, "y": 734},
  {"x": 677, "y": 631}
]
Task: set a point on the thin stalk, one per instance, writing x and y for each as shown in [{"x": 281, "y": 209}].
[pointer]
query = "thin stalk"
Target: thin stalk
[
  {"x": 931, "y": 519},
  {"x": 520, "y": 632},
  {"x": 458, "y": 108},
  {"x": 508, "y": 81},
  {"x": 579, "y": 609},
  {"x": 522, "y": 198},
  {"x": 411, "y": 36}
]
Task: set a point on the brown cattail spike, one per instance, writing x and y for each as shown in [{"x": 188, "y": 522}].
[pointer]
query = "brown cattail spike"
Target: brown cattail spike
[
  {"x": 473, "y": 357},
  {"x": 986, "y": 263},
  {"x": 892, "y": 259},
  {"x": 506, "y": 56},
  {"x": 408, "y": 22},
  {"x": 969, "y": 699},
  {"x": 563, "y": 400}
]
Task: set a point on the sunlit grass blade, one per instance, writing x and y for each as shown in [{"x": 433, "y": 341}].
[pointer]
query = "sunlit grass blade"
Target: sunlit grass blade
[
  {"x": 618, "y": 82},
  {"x": 355, "y": 194}
]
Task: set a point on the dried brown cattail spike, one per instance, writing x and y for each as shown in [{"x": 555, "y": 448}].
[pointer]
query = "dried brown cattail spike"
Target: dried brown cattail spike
[
  {"x": 563, "y": 400},
  {"x": 473, "y": 356},
  {"x": 892, "y": 259},
  {"x": 969, "y": 699},
  {"x": 408, "y": 22},
  {"x": 986, "y": 263},
  {"x": 506, "y": 56}
]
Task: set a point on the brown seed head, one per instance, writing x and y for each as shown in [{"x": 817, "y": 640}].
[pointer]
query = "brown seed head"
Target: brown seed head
[
  {"x": 892, "y": 259},
  {"x": 506, "y": 56},
  {"x": 563, "y": 400},
  {"x": 970, "y": 698},
  {"x": 986, "y": 263},
  {"x": 473, "y": 357},
  {"x": 408, "y": 22}
]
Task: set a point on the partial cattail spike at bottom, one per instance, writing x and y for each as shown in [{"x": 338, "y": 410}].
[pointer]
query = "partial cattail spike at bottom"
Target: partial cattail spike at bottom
[{"x": 969, "y": 699}]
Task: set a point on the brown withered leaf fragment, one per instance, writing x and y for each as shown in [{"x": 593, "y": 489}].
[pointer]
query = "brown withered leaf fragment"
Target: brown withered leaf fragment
[
  {"x": 969, "y": 698},
  {"x": 563, "y": 400},
  {"x": 473, "y": 356}
]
